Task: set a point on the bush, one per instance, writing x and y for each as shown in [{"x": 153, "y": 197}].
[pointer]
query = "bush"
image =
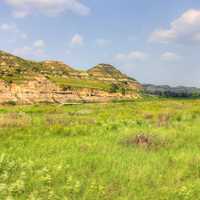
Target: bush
[
  {"x": 12, "y": 103},
  {"x": 114, "y": 88}
]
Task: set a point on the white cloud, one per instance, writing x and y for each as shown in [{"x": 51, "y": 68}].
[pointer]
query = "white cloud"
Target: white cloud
[
  {"x": 12, "y": 28},
  {"x": 22, "y": 8},
  {"x": 102, "y": 42},
  {"x": 184, "y": 29},
  {"x": 37, "y": 49},
  {"x": 163, "y": 36},
  {"x": 27, "y": 51},
  {"x": 8, "y": 27},
  {"x": 170, "y": 56},
  {"x": 131, "y": 56},
  {"x": 39, "y": 44},
  {"x": 39, "y": 52},
  {"x": 24, "y": 51},
  {"x": 77, "y": 40},
  {"x": 137, "y": 55},
  {"x": 20, "y": 13}
]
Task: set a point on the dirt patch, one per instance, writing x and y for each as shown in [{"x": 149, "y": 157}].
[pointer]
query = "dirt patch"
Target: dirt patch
[
  {"x": 145, "y": 141},
  {"x": 148, "y": 116}
]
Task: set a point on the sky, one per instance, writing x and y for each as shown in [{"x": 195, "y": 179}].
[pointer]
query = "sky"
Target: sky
[{"x": 153, "y": 41}]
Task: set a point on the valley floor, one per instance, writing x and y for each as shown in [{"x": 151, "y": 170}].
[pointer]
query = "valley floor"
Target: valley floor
[{"x": 143, "y": 150}]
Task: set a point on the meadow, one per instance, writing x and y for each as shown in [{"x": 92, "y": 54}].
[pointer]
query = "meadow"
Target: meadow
[{"x": 142, "y": 150}]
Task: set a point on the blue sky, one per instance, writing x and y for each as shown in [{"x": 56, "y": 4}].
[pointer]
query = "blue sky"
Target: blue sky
[{"x": 154, "y": 41}]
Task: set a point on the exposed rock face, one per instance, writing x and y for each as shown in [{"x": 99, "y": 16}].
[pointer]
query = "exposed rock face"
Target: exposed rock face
[
  {"x": 42, "y": 90},
  {"x": 28, "y": 82},
  {"x": 106, "y": 72}
]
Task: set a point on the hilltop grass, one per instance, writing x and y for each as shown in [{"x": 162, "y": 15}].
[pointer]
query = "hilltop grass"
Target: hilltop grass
[{"x": 87, "y": 152}]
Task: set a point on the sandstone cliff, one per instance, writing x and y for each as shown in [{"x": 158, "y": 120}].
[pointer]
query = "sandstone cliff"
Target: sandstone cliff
[{"x": 28, "y": 82}]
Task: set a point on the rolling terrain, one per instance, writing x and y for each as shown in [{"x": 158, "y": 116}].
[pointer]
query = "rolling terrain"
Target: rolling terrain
[
  {"x": 146, "y": 149},
  {"x": 27, "y": 82}
]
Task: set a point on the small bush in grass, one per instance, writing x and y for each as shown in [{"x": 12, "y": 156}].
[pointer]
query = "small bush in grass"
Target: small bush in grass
[
  {"x": 12, "y": 103},
  {"x": 145, "y": 141}
]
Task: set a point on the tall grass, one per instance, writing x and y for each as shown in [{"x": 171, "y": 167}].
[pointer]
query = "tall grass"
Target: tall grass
[{"x": 88, "y": 152}]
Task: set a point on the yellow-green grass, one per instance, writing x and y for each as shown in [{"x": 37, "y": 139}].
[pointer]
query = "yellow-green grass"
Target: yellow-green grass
[
  {"x": 80, "y": 83},
  {"x": 17, "y": 79},
  {"x": 80, "y": 152}
]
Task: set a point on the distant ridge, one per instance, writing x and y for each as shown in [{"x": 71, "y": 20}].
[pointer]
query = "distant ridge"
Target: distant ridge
[{"x": 168, "y": 91}]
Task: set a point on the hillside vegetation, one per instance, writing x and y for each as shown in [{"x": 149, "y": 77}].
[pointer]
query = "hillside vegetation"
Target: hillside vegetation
[
  {"x": 144, "y": 150},
  {"x": 29, "y": 82},
  {"x": 14, "y": 69}
]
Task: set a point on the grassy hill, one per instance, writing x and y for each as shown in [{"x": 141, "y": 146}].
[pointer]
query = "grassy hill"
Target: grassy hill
[
  {"x": 106, "y": 71},
  {"x": 14, "y": 69}
]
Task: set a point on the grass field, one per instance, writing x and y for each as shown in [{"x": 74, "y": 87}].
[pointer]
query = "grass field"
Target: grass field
[{"x": 94, "y": 152}]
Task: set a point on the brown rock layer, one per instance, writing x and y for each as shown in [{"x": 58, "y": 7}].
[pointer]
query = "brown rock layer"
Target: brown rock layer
[{"x": 41, "y": 90}]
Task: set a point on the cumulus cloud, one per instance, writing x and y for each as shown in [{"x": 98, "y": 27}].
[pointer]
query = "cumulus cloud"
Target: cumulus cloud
[
  {"x": 184, "y": 29},
  {"x": 77, "y": 40},
  {"x": 36, "y": 49},
  {"x": 131, "y": 56},
  {"x": 27, "y": 51},
  {"x": 23, "y": 51},
  {"x": 170, "y": 56},
  {"x": 39, "y": 44},
  {"x": 22, "y": 8}
]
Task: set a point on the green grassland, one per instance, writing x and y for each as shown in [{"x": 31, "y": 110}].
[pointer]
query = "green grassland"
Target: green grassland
[{"x": 89, "y": 151}]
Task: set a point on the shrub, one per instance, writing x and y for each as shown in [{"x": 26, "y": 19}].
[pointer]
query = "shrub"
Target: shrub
[{"x": 114, "y": 88}]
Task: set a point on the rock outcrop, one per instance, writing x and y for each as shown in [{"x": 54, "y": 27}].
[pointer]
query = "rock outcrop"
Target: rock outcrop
[{"x": 28, "y": 82}]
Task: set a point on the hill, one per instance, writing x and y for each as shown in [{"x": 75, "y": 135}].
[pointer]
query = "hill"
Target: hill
[
  {"x": 167, "y": 91},
  {"x": 24, "y": 81},
  {"x": 107, "y": 72}
]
